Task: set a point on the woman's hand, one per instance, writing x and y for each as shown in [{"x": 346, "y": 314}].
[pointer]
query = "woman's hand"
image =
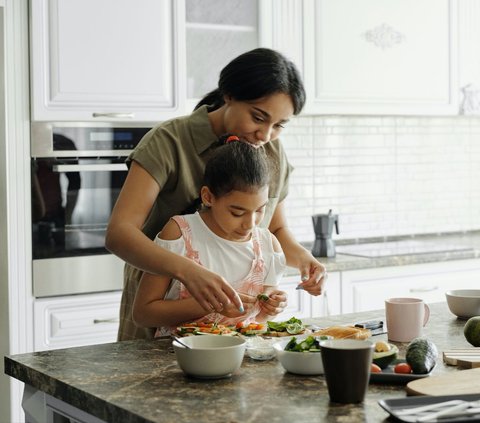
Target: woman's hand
[
  {"x": 210, "y": 290},
  {"x": 276, "y": 303},
  {"x": 313, "y": 274}
]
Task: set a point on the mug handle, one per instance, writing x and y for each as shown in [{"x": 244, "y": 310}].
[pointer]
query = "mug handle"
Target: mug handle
[{"x": 427, "y": 314}]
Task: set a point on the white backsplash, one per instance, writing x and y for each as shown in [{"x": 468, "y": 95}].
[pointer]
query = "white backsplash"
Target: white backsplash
[{"x": 384, "y": 175}]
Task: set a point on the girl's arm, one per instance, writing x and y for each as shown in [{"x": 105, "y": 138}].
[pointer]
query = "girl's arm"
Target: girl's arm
[
  {"x": 297, "y": 256},
  {"x": 150, "y": 309},
  {"x": 126, "y": 240}
]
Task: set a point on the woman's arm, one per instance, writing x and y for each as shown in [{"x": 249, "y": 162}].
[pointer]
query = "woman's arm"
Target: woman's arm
[
  {"x": 150, "y": 309},
  {"x": 313, "y": 273},
  {"x": 126, "y": 240}
]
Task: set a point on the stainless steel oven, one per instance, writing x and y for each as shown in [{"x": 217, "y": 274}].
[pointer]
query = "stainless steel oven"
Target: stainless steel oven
[{"x": 77, "y": 173}]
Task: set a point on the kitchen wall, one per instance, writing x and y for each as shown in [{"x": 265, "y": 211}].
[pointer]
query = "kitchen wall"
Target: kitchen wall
[{"x": 384, "y": 175}]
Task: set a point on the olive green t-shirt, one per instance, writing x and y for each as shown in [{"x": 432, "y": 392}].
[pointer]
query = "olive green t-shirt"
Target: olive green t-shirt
[{"x": 175, "y": 153}]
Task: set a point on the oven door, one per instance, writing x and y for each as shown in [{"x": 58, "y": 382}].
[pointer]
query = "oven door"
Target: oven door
[{"x": 72, "y": 199}]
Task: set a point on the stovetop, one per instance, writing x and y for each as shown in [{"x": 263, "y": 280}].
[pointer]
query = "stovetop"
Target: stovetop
[{"x": 398, "y": 248}]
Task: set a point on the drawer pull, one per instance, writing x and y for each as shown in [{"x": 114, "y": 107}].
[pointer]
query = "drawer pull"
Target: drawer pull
[
  {"x": 433, "y": 288},
  {"x": 111, "y": 320},
  {"x": 114, "y": 115}
]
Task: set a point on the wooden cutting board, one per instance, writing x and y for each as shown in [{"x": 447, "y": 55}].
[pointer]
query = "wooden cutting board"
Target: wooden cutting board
[
  {"x": 466, "y": 358},
  {"x": 453, "y": 383}
]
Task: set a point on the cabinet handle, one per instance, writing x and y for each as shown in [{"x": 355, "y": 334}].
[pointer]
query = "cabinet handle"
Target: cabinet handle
[
  {"x": 111, "y": 320},
  {"x": 107, "y": 167},
  {"x": 434, "y": 288},
  {"x": 114, "y": 115}
]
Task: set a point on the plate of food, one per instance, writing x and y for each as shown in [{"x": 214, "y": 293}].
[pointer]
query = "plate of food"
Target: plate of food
[
  {"x": 399, "y": 372},
  {"x": 205, "y": 328}
]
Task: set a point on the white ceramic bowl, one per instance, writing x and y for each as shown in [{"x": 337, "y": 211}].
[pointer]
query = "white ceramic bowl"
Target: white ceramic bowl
[
  {"x": 301, "y": 363},
  {"x": 464, "y": 303},
  {"x": 210, "y": 356}
]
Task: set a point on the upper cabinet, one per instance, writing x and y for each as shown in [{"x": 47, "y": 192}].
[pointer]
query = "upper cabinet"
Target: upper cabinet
[
  {"x": 153, "y": 60},
  {"x": 380, "y": 57},
  {"x": 106, "y": 60}
]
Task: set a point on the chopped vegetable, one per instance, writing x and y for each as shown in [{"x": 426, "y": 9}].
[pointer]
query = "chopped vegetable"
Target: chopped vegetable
[
  {"x": 293, "y": 326},
  {"x": 263, "y": 297},
  {"x": 403, "y": 368},
  {"x": 375, "y": 369},
  {"x": 309, "y": 344}
]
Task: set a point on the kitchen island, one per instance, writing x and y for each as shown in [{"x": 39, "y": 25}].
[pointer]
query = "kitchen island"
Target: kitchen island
[{"x": 139, "y": 381}]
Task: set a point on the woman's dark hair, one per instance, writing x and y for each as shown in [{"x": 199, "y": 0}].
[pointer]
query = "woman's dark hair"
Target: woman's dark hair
[
  {"x": 236, "y": 166},
  {"x": 256, "y": 74}
]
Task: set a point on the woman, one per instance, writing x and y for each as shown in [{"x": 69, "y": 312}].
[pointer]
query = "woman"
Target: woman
[{"x": 258, "y": 92}]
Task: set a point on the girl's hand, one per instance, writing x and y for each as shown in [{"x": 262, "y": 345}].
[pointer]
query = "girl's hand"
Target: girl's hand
[
  {"x": 276, "y": 303},
  {"x": 313, "y": 274},
  {"x": 231, "y": 310}
]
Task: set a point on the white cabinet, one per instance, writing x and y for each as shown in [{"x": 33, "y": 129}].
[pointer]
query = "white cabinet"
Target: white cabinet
[
  {"x": 364, "y": 290},
  {"x": 61, "y": 322},
  {"x": 380, "y": 57},
  {"x": 106, "y": 59},
  {"x": 303, "y": 305}
]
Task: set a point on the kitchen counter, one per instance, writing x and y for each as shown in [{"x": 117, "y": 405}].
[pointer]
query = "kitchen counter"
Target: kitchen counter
[
  {"x": 139, "y": 381},
  {"x": 342, "y": 262}
]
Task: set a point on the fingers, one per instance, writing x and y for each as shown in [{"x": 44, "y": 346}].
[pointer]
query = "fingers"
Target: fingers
[{"x": 275, "y": 304}]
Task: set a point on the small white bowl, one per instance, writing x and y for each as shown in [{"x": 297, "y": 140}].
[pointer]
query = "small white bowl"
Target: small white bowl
[
  {"x": 259, "y": 348},
  {"x": 300, "y": 363},
  {"x": 464, "y": 303},
  {"x": 210, "y": 357}
]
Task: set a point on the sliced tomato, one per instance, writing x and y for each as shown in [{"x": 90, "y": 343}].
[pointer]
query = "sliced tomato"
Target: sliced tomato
[
  {"x": 403, "y": 368},
  {"x": 375, "y": 369}
]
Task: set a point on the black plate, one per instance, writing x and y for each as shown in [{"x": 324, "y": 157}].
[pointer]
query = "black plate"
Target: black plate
[
  {"x": 393, "y": 406},
  {"x": 389, "y": 376}
]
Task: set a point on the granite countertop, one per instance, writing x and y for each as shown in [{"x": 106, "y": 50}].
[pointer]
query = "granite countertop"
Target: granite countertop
[
  {"x": 342, "y": 262},
  {"x": 139, "y": 381}
]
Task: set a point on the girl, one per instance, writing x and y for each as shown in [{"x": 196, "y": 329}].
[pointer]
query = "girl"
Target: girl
[
  {"x": 224, "y": 237},
  {"x": 258, "y": 92}
]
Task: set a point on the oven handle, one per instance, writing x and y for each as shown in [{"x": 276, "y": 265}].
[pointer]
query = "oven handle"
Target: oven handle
[{"x": 90, "y": 167}]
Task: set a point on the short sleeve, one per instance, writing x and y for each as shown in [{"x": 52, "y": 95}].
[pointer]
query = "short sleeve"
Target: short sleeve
[
  {"x": 276, "y": 269},
  {"x": 176, "y": 246},
  {"x": 156, "y": 153}
]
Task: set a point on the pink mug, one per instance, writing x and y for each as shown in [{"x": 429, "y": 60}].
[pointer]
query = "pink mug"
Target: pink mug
[{"x": 406, "y": 318}]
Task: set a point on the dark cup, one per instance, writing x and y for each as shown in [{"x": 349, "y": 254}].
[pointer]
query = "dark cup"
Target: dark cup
[{"x": 346, "y": 364}]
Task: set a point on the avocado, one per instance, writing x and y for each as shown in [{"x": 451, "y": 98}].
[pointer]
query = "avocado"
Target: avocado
[
  {"x": 384, "y": 358},
  {"x": 422, "y": 355}
]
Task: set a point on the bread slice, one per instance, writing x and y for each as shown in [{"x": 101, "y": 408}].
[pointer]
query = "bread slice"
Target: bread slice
[{"x": 344, "y": 332}]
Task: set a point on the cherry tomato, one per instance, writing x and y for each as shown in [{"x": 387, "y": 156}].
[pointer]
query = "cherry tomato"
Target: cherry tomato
[
  {"x": 375, "y": 369},
  {"x": 402, "y": 368}
]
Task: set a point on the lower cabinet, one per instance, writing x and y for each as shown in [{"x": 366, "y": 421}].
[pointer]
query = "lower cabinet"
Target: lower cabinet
[
  {"x": 302, "y": 305},
  {"x": 367, "y": 289},
  {"x": 76, "y": 320}
]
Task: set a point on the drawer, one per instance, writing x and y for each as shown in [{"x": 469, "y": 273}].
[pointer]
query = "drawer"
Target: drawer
[{"x": 76, "y": 320}]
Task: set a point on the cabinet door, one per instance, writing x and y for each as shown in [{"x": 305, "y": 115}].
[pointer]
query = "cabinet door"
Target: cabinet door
[
  {"x": 364, "y": 290},
  {"x": 104, "y": 59},
  {"x": 299, "y": 302},
  {"x": 217, "y": 32},
  {"x": 76, "y": 320},
  {"x": 381, "y": 57}
]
